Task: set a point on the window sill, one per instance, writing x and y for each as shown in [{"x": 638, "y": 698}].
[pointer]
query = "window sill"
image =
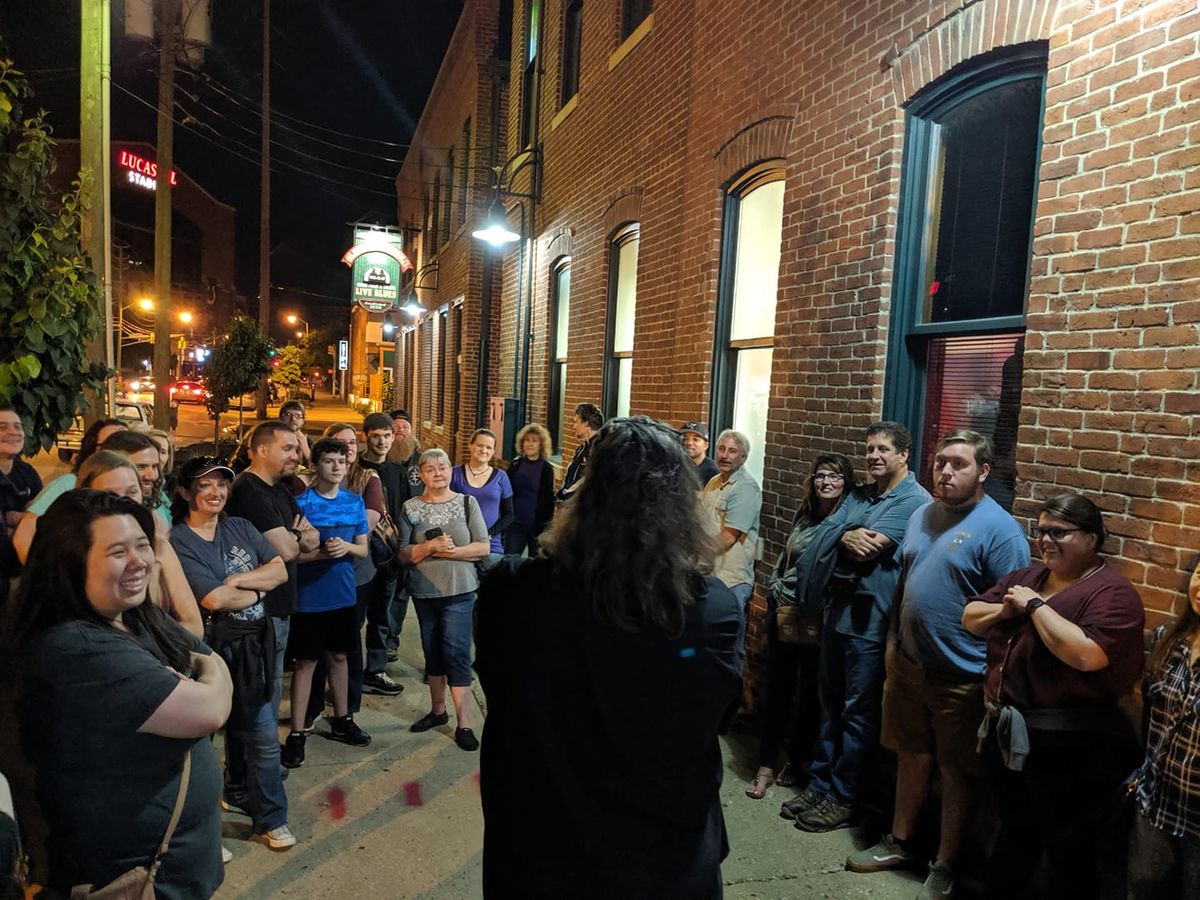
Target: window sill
[
  {"x": 636, "y": 37},
  {"x": 561, "y": 115}
]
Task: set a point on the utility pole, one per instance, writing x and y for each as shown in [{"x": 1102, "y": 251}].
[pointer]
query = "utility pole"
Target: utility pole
[
  {"x": 264, "y": 230},
  {"x": 165, "y": 152},
  {"x": 95, "y": 73}
]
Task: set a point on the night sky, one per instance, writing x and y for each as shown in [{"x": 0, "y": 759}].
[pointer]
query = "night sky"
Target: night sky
[{"x": 349, "y": 80}]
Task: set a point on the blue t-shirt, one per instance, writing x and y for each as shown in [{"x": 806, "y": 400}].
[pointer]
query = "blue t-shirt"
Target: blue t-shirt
[
  {"x": 326, "y": 584},
  {"x": 949, "y": 556},
  {"x": 498, "y": 488}
]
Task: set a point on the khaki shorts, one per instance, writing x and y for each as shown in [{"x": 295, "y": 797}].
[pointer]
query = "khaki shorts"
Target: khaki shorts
[{"x": 924, "y": 712}]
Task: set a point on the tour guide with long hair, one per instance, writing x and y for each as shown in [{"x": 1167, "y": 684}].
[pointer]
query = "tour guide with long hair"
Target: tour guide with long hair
[
  {"x": 113, "y": 697},
  {"x": 609, "y": 665}
]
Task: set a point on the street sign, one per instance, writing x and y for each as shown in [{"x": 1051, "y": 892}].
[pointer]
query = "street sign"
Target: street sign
[{"x": 343, "y": 355}]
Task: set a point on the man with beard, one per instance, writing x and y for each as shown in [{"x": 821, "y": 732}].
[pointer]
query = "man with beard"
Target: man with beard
[{"x": 396, "y": 457}]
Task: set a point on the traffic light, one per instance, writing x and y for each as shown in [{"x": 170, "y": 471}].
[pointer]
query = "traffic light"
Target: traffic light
[{"x": 271, "y": 353}]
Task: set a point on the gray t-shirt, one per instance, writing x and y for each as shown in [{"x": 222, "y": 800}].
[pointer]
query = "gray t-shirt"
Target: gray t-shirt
[
  {"x": 237, "y": 547},
  {"x": 442, "y": 577}
]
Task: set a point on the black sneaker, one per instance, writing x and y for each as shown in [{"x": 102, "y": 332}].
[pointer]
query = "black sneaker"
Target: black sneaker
[
  {"x": 309, "y": 722},
  {"x": 381, "y": 683},
  {"x": 429, "y": 720},
  {"x": 828, "y": 815},
  {"x": 346, "y": 730},
  {"x": 393, "y": 654},
  {"x": 465, "y": 738},
  {"x": 802, "y": 802},
  {"x": 292, "y": 756}
]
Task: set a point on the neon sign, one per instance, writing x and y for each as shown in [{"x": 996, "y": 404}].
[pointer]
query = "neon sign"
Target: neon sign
[{"x": 141, "y": 171}]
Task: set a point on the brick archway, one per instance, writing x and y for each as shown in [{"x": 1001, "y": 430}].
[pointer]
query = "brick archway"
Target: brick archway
[
  {"x": 625, "y": 208},
  {"x": 765, "y": 137}
]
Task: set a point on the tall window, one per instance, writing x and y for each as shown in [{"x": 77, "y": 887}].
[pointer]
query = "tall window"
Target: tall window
[
  {"x": 426, "y": 233},
  {"x": 560, "y": 312},
  {"x": 529, "y": 78},
  {"x": 572, "y": 43},
  {"x": 632, "y": 14},
  {"x": 745, "y": 329},
  {"x": 622, "y": 310},
  {"x": 464, "y": 183},
  {"x": 435, "y": 227},
  {"x": 962, "y": 259},
  {"x": 427, "y": 367},
  {"x": 439, "y": 402},
  {"x": 448, "y": 203}
]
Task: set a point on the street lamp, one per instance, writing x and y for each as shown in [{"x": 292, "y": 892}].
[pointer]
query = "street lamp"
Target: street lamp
[
  {"x": 300, "y": 334},
  {"x": 495, "y": 231},
  {"x": 185, "y": 318},
  {"x": 146, "y": 304},
  {"x": 388, "y": 325},
  {"x": 293, "y": 319}
]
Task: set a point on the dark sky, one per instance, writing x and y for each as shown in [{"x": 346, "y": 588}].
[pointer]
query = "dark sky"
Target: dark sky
[{"x": 349, "y": 79}]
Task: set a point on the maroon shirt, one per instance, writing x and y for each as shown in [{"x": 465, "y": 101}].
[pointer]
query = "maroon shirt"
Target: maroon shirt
[{"x": 1021, "y": 670}]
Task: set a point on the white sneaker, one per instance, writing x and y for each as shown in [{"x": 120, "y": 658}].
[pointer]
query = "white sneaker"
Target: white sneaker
[
  {"x": 280, "y": 838},
  {"x": 226, "y": 855}
]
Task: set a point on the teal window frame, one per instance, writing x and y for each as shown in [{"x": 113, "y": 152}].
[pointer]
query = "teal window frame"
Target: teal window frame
[{"x": 904, "y": 395}]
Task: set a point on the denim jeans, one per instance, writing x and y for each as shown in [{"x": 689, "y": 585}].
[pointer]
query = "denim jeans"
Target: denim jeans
[
  {"x": 1162, "y": 865},
  {"x": 742, "y": 593},
  {"x": 379, "y": 595},
  {"x": 260, "y": 788},
  {"x": 850, "y": 685},
  {"x": 519, "y": 538},
  {"x": 446, "y": 636}
]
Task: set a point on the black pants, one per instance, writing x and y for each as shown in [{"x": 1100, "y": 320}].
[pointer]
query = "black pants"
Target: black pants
[
  {"x": 1063, "y": 806},
  {"x": 354, "y": 660},
  {"x": 789, "y": 665}
]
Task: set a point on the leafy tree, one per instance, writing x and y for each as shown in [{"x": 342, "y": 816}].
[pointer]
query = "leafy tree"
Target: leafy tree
[
  {"x": 287, "y": 372},
  {"x": 238, "y": 361},
  {"x": 48, "y": 294}
]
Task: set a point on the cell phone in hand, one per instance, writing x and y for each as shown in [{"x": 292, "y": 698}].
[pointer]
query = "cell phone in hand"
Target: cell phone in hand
[{"x": 433, "y": 533}]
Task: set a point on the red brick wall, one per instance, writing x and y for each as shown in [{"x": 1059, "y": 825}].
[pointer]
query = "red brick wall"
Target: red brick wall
[{"x": 1108, "y": 405}]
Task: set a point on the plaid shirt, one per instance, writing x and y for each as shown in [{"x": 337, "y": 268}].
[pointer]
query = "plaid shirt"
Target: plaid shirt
[{"x": 1168, "y": 783}]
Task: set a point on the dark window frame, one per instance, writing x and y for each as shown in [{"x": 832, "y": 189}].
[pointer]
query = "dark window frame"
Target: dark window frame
[
  {"x": 464, "y": 181},
  {"x": 448, "y": 200},
  {"x": 531, "y": 60},
  {"x": 627, "y": 232},
  {"x": 435, "y": 226},
  {"x": 725, "y": 351},
  {"x": 909, "y": 338},
  {"x": 443, "y": 323},
  {"x": 572, "y": 49},
  {"x": 633, "y": 13},
  {"x": 556, "y": 419}
]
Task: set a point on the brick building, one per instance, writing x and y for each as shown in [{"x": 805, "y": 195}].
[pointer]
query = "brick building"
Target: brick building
[{"x": 796, "y": 218}]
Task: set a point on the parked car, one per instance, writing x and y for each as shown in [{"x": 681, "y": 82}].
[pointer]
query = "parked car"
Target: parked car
[
  {"x": 134, "y": 413},
  {"x": 188, "y": 392},
  {"x": 139, "y": 387}
]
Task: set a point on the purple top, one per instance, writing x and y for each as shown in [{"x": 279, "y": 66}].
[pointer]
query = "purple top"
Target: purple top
[
  {"x": 489, "y": 496},
  {"x": 526, "y": 482}
]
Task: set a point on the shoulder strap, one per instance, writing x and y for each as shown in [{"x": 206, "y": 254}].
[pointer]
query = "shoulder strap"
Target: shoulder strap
[{"x": 176, "y": 813}]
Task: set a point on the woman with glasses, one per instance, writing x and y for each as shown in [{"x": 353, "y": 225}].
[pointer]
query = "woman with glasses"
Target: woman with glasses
[
  {"x": 793, "y": 639},
  {"x": 1064, "y": 645}
]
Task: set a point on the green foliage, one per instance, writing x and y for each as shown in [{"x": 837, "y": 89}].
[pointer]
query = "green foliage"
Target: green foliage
[
  {"x": 287, "y": 373},
  {"x": 49, "y": 298},
  {"x": 315, "y": 346},
  {"x": 238, "y": 361}
]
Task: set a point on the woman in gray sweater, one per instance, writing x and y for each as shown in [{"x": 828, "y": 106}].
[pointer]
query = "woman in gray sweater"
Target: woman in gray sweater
[{"x": 442, "y": 535}]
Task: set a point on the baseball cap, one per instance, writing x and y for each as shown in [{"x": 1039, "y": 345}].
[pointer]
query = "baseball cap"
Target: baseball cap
[
  {"x": 696, "y": 427},
  {"x": 201, "y": 466}
]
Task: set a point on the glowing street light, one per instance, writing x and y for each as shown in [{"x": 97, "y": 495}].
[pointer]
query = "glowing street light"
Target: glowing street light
[
  {"x": 293, "y": 319},
  {"x": 185, "y": 317},
  {"x": 146, "y": 304}
]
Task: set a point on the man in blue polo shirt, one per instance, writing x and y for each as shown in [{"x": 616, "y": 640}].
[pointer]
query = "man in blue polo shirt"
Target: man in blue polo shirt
[{"x": 858, "y": 607}]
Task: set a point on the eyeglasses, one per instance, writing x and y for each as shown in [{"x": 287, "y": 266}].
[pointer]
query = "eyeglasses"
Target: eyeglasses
[
  {"x": 292, "y": 415},
  {"x": 828, "y": 476},
  {"x": 1057, "y": 535}
]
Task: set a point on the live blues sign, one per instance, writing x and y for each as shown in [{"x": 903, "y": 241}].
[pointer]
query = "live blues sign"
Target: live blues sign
[{"x": 378, "y": 263}]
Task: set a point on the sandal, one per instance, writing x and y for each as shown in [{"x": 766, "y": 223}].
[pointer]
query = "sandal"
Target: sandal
[
  {"x": 787, "y": 776},
  {"x": 757, "y": 789}
]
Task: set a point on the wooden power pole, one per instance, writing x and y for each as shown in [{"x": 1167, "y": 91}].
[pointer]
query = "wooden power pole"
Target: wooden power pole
[
  {"x": 264, "y": 229},
  {"x": 165, "y": 153}
]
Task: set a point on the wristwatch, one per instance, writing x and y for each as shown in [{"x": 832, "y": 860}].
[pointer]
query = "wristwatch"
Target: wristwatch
[{"x": 1034, "y": 604}]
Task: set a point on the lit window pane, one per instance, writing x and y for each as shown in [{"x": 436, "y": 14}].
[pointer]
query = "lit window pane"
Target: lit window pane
[
  {"x": 751, "y": 393},
  {"x": 626, "y": 297},
  {"x": 624, "y": 383},
  {"x": 756, "y": 270},
  {"x": 562, "y": 313},
  {"x": 561, "y": 405},
  {"x": 535, "y": 12}
]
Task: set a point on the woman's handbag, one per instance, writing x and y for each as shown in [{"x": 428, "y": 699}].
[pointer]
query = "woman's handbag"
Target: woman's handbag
[
  {"x": 384, "y": 541},
  {"x": 795, "y": 625},
  {"x": 138, "y": 883}
]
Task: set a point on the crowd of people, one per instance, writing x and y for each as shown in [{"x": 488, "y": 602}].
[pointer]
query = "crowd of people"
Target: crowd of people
[{"x": 153, "y": 605}]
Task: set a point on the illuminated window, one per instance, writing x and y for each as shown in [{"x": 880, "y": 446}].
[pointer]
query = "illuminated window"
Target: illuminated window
[
  {"x": 448, "y": 203},
  {"x": 957, "y": 335},
  {"x": 572, "y": 42},
  {"x": 745, "y": 328},
  {"x": 560, "y": 310},
  {"x": 622, "y": 311},
  {"x": 530, "y": 87},
  {"x": 632, "y": 14},
  {"x": 439, "y": 402}
]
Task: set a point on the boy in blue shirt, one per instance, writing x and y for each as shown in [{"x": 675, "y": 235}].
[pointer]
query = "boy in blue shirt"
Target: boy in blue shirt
[{"x": 324, "y": 620}]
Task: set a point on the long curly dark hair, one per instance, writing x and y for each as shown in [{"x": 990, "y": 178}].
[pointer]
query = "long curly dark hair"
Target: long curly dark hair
[
  {"x": 54, "y": 581},
  {"x": 631, "y": 534}
]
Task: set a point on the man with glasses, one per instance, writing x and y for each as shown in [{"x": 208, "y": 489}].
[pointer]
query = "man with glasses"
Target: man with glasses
[
  {"x": 858, "y": 607},
  {"x": 292, "y": 415},
  {"x": 954, "y": 549}
]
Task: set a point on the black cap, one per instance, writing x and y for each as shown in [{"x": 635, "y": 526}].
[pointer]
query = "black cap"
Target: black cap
[
  {"x": 201, "y": 466},
  {"x": 696, "y": 428}
]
